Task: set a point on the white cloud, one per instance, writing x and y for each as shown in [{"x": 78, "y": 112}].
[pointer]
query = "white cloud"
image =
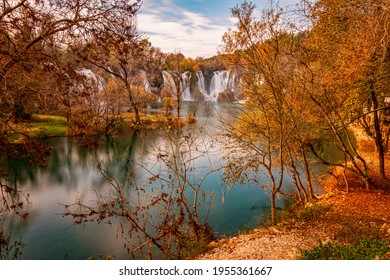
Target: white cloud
[{"x": 172, "y": 28}]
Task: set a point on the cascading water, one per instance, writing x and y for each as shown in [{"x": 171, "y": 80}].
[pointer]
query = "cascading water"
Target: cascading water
[
  {"x": 202, "y": 85},
  {"x": 218, "y": 84},
  {"x": 169, "y": 83},
  {"x": 221, "y": 81},
  {"x": 174, "y": 84},
  {"x": 145, "y": 81},
  {"x": 185, "y": 86},
  {"x": 93, "y": 81}
]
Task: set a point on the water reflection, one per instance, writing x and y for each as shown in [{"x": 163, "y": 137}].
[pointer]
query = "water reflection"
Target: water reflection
[{"x": 72, "y": 174}]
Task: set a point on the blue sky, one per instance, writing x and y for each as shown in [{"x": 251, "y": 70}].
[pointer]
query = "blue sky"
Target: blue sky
[{"x": 193, "y": 27}]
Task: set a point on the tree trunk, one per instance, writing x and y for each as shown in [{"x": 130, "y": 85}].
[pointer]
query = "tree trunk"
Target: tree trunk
[
  {"x": 178, "y": 107},
  {"x": 377, "y": 131},
  {"x": 273, "y": 196},
  {"x": 133, "y": 104},
  {"x": 308, "y": 176},
  {"x": 386, "y": 145}
]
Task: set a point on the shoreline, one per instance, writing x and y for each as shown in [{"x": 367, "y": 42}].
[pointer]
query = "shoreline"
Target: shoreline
[
  {"x": 334, "y": 219},
  {"x": 340, "y": 212}
]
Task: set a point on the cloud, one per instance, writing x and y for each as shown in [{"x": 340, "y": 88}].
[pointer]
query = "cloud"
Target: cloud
[
  {"x": 194, "y": 28},
  {"x": 173, "y": 28}
]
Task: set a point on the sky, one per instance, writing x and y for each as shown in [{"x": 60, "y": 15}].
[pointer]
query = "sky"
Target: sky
[{"x": 192, "y": 27}]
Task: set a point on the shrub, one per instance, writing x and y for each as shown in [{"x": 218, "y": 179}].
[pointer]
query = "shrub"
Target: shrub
[{"x": 365, "y": 249}]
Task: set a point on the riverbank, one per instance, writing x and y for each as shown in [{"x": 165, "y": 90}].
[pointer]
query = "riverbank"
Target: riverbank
[
  {"x": 343, "y": 219},
  {"x": 43, "y": 126},
  {"x": 339, "y": 218}
]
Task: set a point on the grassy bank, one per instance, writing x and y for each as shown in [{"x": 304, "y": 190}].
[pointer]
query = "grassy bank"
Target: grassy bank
[
  {"x": 41, "y": 126},
  {"x": 48, "y": 125}
]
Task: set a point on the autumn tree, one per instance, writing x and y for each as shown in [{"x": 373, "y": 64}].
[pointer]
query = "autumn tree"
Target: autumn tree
[
  {"x": 349, "y": 54},
  {"x": 159, "y": 215},
  {"x": 267, "y": 137},
  {"x": 37, "y": 70},
  {"x": 27, "y": 28}
]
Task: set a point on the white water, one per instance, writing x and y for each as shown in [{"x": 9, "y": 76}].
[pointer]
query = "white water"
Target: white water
[
  {"x": 202, "y": 85},
  {"x": 93, "y": 81},
  {"x": 185, "y": 86},
  {"x": 145, "y": 81},
  {"x": 221, "y": 81},
  {"x": 169, "y": 83},
  {"x": 173, "y": 84}
]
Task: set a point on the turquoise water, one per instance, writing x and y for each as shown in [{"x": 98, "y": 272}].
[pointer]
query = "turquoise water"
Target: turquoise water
[{"x": 71, "y": 173}]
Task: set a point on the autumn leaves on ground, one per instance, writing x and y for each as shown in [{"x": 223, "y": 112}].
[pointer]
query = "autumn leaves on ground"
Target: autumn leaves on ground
[{"x": 356, "y": 219}]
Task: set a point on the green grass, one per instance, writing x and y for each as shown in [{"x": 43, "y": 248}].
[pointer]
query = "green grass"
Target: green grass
[
  {"x": 55, "y": 119},
  {"x": 40, "y": 126},
  {"x": 48, "y": 126},
  {"x": 354, "y": 242},
  {"x": 48, "y": 129}
]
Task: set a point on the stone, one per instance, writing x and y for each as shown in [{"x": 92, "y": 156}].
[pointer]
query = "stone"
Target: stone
[{"x": 275, "y": 230}]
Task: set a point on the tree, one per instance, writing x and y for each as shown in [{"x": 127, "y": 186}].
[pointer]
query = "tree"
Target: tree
[
  {"x": 267, "y": 138},
  {"x": 29, "y": 28},
  {"x": 120, "y": 53},
  {"x": 349, "y": 43},
  {"x": 161, "y": 211},
  {"x": 35, "y": 64}
]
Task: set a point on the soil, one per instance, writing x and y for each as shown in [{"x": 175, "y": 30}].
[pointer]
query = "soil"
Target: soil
[{"x": 331, "y": 219}]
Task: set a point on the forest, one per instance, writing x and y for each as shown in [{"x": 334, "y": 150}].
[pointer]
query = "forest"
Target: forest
[{"x": 297, "y": 80}]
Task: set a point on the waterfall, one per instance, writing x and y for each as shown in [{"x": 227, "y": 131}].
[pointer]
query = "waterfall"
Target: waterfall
[
  {"x": 185, "y": 86},
  {"x": 220, "y": 81},
  {"x": 202, "y": 85},
  {"x": 145, "y": 81},
  {"x": 169, "y": 83},
  {"x": 218, "y": 84},
  {"x": 92, "y": 80}
]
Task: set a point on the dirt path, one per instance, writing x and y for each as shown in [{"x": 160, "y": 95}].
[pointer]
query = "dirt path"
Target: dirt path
[{"x": 333, "y": 217}]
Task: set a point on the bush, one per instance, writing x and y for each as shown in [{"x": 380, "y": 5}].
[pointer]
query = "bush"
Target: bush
[
  {"x": 354, "y": 233},
  {"x": 188, "y": 246},
  {"x": 365, "y": 249}
]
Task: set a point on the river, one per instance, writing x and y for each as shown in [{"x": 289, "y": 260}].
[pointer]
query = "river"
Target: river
[{"x": 71, "y": 174}]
